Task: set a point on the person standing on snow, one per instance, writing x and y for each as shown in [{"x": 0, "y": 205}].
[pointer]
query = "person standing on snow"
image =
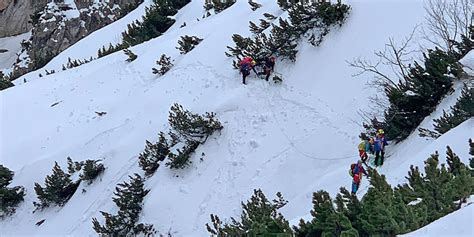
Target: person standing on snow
[
  {"x": 364, "y": 147},
  {"x": 356, "y": 171},
  {"x": 246, "y": 64},
  {"x": 269, "y": 66},
  {"x": 379, "y": 147}
]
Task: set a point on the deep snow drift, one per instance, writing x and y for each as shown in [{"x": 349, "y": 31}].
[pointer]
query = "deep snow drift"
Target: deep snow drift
[{"x": 295, "y": 138}]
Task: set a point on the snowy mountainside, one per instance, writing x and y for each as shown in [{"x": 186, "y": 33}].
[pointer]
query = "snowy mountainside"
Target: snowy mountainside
[
  {"x": 13, "y": 46},
  {"x": 446, "y": 226},
  {"x": 295, "y": 138}
]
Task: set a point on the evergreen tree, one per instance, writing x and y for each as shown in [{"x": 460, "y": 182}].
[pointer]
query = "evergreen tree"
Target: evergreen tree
[
  {"x": 460, "y": 112},
  {"x": 182, "y": 159},
  {"x": 254, "y": 6},
  {"x": 187, "y": 43},
  {"x": 58, "y": 188},
  {"x": 259, "y": 217},
  {"x": 130, "y": 54},
  {"x": 192, "y": 127},
  {"x": 91, "y": 170},
  {"x": 154, "y": 154},
  {"x": 417, "y": 96},
  {"x": 264, "y": 24},
  {"x": 326, "y": 220},
  {"x": 220, "y": 5},
  {"x": 4, "y": 84},
  {"x": 129, "y": 199},
  {"x": 283, "y": 4},
  {"x": 269, "y": 16},
  {"x": 73, "y": 166},
  {"x": 9, "y": 197},
  {"x": 254, "y": 28},
  {"x": 377, "y": 216},
  {"x": 165, "y": 64},
  {"x": 453, "y": 161}
]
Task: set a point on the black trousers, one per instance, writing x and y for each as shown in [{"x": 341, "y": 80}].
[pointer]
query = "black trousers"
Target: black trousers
[{"x": 379, "y": 157}]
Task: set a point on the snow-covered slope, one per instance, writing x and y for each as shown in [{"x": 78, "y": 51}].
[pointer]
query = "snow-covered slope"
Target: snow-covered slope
[
  {"x": 457, "y": 224},
  {"x": 296, "y": 138},
  {"x": 13, "y": 46}
]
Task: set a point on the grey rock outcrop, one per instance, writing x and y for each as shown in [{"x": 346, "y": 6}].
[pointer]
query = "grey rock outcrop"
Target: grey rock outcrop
[
  {"x": 15, "y": 15},
  {"x": 59, "y": 25}
]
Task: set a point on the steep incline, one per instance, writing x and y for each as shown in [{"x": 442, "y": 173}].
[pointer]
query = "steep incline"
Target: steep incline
[{"x": 296, "y": 138}]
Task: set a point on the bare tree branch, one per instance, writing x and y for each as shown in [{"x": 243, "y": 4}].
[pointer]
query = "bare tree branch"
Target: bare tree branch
[{"x": 446, "y": 21}]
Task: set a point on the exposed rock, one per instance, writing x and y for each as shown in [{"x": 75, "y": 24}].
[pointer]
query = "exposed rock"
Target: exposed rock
[
  {"x": 16, "y": 14},
  {"x": 60, "y": 25},
  {"x": 4, "y": 4}
]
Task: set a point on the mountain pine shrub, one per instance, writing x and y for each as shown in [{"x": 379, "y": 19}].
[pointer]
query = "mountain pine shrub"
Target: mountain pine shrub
[
  {"x": 9, "y": 197},
  {"x": 460, "y": 112},
  {"x": 165, "y": 64},
  {"x": 155, "y": 153},
  {"x": 260, "y": 217},
  {"x": 192, "y": 127},
  {"x": 182, "y": 159},
  {"x": 382, "y": 211},
  {"x": 91, "y": 170},
  {"x": 129, "y": 199},
  {"x": 130, "y": 54},
  {"x": 58, "y": 189},
  {"x": 187, "y": 43}
]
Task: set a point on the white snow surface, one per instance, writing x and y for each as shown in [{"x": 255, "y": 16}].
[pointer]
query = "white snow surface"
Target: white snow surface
[
  {"x": 12, "y": 44},
  {"x": 296, "y": 138},
  {"x": 468, "y": 63},
  {"x": 456, "y": 224}
]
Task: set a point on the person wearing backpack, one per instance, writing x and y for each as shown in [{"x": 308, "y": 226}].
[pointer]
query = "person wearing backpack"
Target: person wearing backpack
[
  {"x": 379, "y": 147},
  {"x": 364, "y": 147},
  {"x": 246, "y": 65},
  {"x": 356, "y": 171}
]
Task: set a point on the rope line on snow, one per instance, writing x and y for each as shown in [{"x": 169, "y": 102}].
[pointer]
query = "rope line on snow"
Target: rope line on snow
[{"x": 291, "y": 142}]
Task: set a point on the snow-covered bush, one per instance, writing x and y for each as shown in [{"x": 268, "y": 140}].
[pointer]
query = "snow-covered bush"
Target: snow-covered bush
[
  {"x": 312, "y": 21},
  {"x": 165, "y": 64},
  {"x": 182, "y": 159},
  {"x": 58, "y": 189},
  {"x": 9, "y": 197},
  {"x": 218, "y": 5},
  {"x": 129, "y": 199},
  {"x": 260, "y": 217},
  {"x": 382, "y": 211},
  {"x": 154, "y": 153},
  {"x": 187, "y": 43},
  {"x": 460, "y": 112},
  {"x": 130, "y": 54},
  {"x": 91, "y": 170},
  {"x": 192, "y": 127}
]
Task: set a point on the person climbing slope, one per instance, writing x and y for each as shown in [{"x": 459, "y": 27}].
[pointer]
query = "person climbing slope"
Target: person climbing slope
[
  {"x": 269, "y": 66},
  {"x": 379, "y": 147},
  {"x": 356, "y": 171},
  {"x": 245, "y": 67},
  {"x": 246, "y": 64}
]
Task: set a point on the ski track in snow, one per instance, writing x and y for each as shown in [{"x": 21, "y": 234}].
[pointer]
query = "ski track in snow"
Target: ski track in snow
[{"x": 296, "y": 138}]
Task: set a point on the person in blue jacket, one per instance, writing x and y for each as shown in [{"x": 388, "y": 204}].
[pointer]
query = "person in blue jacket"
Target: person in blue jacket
[{"x": 379, "y": 147}]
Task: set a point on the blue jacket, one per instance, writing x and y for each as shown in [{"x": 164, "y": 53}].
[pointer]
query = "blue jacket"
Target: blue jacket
[{"x": 380, "y": 143}]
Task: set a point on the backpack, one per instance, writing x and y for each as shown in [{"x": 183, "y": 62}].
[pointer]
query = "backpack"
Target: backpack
[
  {"x": 357, "y": 178},
  {"x": 361, "y": 146},
  {"x": 353, "y": 170}
]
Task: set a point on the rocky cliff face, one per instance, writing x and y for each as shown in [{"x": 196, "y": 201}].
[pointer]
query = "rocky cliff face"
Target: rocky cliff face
[
  {"x": 15, "y": 15},
  {"x": 59, "y": 25}
]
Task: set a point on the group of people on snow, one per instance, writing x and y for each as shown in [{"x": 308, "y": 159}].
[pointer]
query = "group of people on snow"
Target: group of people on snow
[
  {"x": 369, "y": 148},
  {"x": 248, "y": 64}
]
